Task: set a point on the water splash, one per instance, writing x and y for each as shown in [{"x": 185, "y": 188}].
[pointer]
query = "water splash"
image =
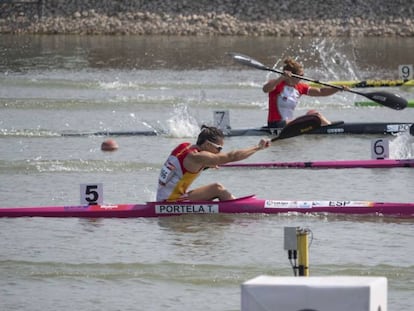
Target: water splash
[
  {"x": 325, "y": 59},
  {"x": 182, "y": 124},
  {"x": 334, "y": 61},
  {"x": 402, "y": 147}
]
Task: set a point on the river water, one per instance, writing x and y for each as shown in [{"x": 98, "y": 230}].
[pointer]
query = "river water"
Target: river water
[{"x": 51, "y": 85}]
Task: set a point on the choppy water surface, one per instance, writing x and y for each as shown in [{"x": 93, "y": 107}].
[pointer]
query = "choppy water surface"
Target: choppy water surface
[{"x": 51, "y": 85}]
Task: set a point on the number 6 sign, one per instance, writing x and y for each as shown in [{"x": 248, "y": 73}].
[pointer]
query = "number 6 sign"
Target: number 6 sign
[
  {"x": 380, "y": 149},
  {"x": 91, "y": 194}
]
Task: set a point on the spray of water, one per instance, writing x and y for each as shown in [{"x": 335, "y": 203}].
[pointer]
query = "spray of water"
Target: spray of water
[
  {"x": 182, "y": 124},
  {"x": 402, "y": 147},
  {"x": 334, "y": 62},
  {"x": 327, "y": 59}
]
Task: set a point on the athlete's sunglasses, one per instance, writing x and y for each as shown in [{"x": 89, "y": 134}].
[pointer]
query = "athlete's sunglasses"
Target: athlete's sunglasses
[{"x": 218, "y": 147}]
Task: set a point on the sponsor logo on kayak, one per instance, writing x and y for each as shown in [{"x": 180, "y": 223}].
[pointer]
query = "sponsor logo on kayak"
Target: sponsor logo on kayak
[
  {"x": 310, "y": 204},
  {"x": 186, "y": 208},
  {"x": 108, "y": 206},
  {"x": 81, "y": 207},
  {"x": 342, "y": 203},
  {"x": 307, "y": 129},
  {"x": 391, "y": 128},
  {"x": 287, "y": 204},
  {"x": 91, "y": 207},
  {"x": 337, "y": 130}
]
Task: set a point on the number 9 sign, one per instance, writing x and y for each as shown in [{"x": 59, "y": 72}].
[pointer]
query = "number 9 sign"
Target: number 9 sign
[{"x": 405, "y": 72}]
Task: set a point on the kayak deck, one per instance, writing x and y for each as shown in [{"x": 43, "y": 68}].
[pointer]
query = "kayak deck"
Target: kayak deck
[{"x": 378, "y": 128}]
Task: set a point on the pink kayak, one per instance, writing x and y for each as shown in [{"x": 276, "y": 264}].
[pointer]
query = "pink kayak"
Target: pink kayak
[
  {"x": 386, "y": 163},
  {"x": 248, "y": 204}
]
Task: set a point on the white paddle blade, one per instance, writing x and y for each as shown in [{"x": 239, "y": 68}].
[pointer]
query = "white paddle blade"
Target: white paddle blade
[{"x": 248, "y": 61}]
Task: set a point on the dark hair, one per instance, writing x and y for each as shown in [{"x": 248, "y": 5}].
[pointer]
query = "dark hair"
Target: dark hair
[{"x": 210, "y": 133}]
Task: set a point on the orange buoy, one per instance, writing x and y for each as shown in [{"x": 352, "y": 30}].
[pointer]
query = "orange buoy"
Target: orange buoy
[{"x": 109, "y": 145}]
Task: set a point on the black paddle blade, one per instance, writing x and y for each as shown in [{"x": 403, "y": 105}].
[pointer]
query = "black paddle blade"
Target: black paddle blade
[
  {"x": 389, "y": 100},
  {"x": 299, "y": 126}
]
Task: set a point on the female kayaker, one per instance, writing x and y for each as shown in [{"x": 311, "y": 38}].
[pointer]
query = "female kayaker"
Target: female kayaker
[{"x": 285, "y": 91}]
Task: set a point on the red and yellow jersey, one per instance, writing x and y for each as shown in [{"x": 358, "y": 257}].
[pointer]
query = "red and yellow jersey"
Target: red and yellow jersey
[
  {"x": 284, "y": 99},
  {"x": 174, "y": 179}
]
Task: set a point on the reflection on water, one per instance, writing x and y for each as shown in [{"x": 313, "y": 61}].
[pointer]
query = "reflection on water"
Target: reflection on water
[
  {"x": 194, "y": 223},
  {"x": 20, "y": 53}
]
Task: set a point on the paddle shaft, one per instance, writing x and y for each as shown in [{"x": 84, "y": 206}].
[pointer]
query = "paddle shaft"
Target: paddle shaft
[
  {"x": 371, "y": 83},
  {"x": 314, "y": 81}
]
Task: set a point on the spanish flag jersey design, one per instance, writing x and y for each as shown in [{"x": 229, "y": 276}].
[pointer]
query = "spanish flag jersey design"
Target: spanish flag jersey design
[
  {"x": 283, "y": 100},
  {"x": 174, "y": 179}
]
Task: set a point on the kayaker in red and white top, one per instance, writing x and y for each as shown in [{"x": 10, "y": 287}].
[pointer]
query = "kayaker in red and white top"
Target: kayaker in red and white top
[
  {"x": 285, "y": 91},
  {"x": 187, "y": 161}
]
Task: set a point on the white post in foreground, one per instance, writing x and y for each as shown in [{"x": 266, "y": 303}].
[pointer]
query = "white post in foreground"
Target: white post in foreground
[{"x": 333, "y": 293}]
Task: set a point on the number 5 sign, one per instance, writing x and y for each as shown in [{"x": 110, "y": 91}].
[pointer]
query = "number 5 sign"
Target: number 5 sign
[
  {"x": 380, "y": 149},
  {"x": 91, "y": 194}
]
